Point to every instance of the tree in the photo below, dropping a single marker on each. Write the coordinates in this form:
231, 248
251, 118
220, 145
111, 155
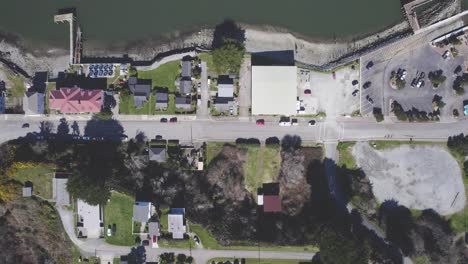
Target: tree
63, 128
378, 114
228, 57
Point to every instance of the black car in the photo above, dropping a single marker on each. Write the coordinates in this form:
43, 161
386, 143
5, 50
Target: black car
25, 125
369, 64
145, 243
355, 92
163, 120
354, 82
366, 85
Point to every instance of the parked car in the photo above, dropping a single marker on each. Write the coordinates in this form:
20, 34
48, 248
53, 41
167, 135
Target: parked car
260, 122
109, 230
355, 82
312, 123
369, 64
307, 91
369, 99
154, 238
158, 137
173, 120
355, 92
145, 243
366, 85
294, 122
163, 120
25, 125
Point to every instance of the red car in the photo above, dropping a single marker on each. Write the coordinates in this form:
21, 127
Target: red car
260, 122
173, 120
307, 91
154, 239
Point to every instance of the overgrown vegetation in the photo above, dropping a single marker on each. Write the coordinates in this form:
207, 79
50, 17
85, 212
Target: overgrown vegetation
459, 84
163, 76
414, 114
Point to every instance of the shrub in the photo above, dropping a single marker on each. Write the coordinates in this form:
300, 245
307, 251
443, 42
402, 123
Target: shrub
437, 78
378, 114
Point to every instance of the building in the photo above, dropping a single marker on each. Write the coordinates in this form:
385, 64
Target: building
157, 154
59, 189
27, 189
34, 103
274, 90
142, 212
176, 223
162, 99
183, 103
268, 197
185, 86
141, 90
186, 68
90, 222
223, 104
153, 231
225, 86
75, 100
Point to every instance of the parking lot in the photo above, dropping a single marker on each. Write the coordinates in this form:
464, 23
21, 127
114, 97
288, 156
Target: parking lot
327, 92
418, 62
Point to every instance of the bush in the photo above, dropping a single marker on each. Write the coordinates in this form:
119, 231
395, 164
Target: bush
378, 114
227, 59
437, 78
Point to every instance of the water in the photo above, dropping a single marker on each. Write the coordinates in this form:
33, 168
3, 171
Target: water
111, 21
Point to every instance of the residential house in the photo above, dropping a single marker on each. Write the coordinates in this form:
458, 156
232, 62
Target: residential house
176, 223
185, 86
224, 104
162, 100
59, 189
142, 212
268, 197
90, 223
225, 86
185, 82
141, 90
34, 103
157, 154
183, 103
75, 100
186, 67
153, 231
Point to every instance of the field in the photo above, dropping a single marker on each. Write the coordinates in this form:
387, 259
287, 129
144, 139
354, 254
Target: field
163, 76
126, 106
119, 211
262, 261
40, 175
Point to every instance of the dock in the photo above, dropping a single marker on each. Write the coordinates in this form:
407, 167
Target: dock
75, 36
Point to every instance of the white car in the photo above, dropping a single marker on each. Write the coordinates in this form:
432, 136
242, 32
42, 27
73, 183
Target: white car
285, 123
109, 231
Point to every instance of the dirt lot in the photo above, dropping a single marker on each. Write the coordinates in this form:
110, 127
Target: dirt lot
419, 177
330, 95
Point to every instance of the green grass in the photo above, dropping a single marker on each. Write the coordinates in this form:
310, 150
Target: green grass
269, 160
346, 158
163, 219
115, 78
50, 87
119, 210
250, 167
212, 150
116, 261
40, 175
176, 243
126, 106
386, 144
209, 60
18, 89
170, 105
163, 76
208, 241
263, 261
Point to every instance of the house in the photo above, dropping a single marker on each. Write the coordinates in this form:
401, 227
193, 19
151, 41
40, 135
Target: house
274, 90
225, 86
186, 67
34, 103
176, 223
142, 212
90, 222
223, 104
268, 197
153, 231
183, 103
75, 100
27, 189
162, 100
59, 189
157, 154
185, 85
141, 90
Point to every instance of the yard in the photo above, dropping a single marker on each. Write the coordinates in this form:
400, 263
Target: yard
119, 211
346, 158
39, 174
212, 150
126, 106
262, 261
17, 89
50, 86
163, 76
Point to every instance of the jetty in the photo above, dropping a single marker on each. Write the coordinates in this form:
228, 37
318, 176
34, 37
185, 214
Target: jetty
75, 36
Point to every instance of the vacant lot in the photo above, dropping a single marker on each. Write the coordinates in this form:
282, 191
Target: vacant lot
119, 211
163, 76
417, 176
39, 174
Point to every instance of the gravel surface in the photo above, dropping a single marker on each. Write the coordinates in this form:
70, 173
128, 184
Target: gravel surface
418, 177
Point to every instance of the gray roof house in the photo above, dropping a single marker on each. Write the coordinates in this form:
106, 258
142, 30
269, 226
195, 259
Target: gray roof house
162, 100
183, 103
186, 68
225, 86
176, 223
27, 191
223, 104
185, 85
157, 154
142, 212
141, 90
34, 103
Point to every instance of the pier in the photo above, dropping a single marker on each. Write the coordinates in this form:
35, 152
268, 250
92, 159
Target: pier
75, 36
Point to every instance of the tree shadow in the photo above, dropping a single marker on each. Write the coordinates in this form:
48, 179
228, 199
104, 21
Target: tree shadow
46, 128
63, 128
108, 128
75, 128
227, 30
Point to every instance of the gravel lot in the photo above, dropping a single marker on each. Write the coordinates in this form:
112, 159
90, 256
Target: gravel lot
417, 176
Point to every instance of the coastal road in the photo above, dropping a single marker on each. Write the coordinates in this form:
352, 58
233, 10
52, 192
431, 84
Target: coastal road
230, 130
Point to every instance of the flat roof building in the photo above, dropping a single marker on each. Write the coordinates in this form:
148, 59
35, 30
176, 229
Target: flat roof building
176, 223
274, 90
89, 220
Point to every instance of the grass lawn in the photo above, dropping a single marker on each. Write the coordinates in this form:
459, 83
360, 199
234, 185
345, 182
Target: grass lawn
252, 182
170, 105
18, 89
40, 175
112, 80
212, 150
346, 158
263, 261
50, 87
209, 60
119, 211
163, 76
385, 144
263, 165
126, 106
459, 221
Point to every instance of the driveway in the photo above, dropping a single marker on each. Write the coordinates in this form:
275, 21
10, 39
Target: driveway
202, 109
245, 88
